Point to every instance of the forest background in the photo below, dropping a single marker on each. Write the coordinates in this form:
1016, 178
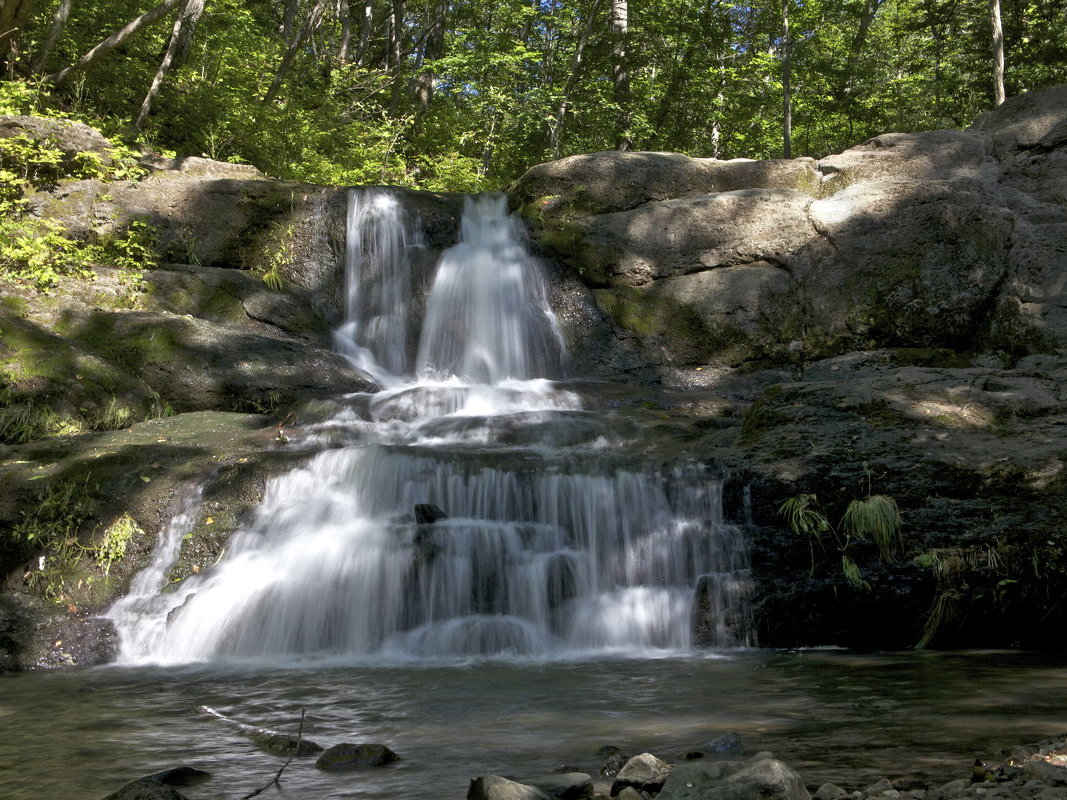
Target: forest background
466, 94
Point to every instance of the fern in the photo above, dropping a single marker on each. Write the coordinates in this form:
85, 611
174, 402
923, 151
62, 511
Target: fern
876, 519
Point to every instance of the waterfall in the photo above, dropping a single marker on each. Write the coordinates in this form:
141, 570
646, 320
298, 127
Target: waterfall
379, 238
477, 509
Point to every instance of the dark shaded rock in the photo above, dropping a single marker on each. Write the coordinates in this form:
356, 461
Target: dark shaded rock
35, 634
727, 744
615, 762
575, 785
494, 787
644, 772
352, 756
180, 776
146, 789
761, 776
428, 513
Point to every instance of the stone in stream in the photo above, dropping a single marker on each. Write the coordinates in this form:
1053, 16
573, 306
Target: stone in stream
494, 787
282, 744
727, 745
573, 785
644, 771
179, 776
762, 776
351, 756
146, 789
428, 513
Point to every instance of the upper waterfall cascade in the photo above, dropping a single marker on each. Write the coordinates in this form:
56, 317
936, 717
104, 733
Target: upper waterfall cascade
557, 541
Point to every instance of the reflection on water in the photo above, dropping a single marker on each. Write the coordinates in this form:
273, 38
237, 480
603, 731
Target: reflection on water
850, 718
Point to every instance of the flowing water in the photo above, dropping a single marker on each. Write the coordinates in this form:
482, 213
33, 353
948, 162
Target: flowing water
471, 507
832, 716
489, 569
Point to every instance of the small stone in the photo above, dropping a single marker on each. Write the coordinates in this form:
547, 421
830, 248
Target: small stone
494, 787
643, 771
878, 788
829, 791
575, 785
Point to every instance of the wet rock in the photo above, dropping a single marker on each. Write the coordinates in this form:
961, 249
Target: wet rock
574, 785
494, 787
615, 762
729, 744
428, 513
829, 791
1041, 770
644, 772
351, 756
180, 776
146, 789
282, 744
761, 776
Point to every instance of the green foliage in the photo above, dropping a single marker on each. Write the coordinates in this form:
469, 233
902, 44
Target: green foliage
51, 526
117, 536
515, 83
26, 421
875, 519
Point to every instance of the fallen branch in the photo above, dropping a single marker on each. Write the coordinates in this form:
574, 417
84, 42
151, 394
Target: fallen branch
277, 778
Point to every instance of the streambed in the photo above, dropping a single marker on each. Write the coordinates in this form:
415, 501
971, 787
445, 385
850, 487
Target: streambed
831, 715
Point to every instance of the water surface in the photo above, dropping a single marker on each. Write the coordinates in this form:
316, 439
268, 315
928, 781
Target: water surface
831, 715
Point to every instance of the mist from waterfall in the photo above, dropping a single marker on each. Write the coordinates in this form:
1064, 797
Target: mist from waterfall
560, 538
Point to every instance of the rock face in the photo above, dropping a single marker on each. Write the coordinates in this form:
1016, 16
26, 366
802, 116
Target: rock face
897, 316
937, 239
200, 333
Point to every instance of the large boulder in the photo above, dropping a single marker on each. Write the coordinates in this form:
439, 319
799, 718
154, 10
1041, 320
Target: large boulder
936, 239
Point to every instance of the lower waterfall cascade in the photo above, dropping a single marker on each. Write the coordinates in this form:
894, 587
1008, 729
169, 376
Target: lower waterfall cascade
474, 506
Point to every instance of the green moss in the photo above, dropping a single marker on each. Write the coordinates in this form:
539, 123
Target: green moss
929, 357
764, 414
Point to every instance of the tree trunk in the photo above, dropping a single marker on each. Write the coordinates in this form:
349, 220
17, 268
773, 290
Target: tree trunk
366, 28
181, 37
58, 23
305, 30
114, 40
620, 29
344, 13
13, 15
998, 53
435, 40
787, 98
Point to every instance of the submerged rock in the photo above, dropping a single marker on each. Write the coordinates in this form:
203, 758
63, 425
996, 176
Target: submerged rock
180, 776
347, 756
146, 789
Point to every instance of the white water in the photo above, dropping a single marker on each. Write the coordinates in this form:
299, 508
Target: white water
557, 542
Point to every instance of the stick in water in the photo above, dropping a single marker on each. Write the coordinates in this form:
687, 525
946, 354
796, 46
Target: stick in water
277, 778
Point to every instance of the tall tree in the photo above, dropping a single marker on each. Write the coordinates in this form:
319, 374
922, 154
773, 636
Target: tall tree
104, 47
998, 52
787, 92
620, 29
181, 38
14, 14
